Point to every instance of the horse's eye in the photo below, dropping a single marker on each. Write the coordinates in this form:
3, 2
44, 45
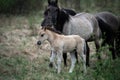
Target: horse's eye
42, 35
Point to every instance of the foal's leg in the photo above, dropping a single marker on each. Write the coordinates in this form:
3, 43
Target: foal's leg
73, 61
52, 58
83, 58
59, 59
81, 49
65, 57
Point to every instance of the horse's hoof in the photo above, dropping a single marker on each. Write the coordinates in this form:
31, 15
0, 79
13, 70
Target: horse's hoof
51, 65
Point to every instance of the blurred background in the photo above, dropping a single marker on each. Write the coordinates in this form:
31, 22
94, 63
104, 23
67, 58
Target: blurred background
22, 59
27, 6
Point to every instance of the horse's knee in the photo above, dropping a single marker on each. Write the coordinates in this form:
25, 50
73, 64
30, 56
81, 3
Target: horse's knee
65, 59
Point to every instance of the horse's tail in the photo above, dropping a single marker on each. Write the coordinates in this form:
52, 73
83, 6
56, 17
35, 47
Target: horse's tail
118, 40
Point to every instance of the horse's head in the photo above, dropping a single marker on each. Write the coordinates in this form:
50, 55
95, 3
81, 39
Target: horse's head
42, 36
51, 14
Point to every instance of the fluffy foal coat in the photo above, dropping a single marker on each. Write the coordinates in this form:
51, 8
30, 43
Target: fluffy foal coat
62, 44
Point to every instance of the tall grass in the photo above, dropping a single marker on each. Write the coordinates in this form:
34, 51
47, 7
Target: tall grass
18, 67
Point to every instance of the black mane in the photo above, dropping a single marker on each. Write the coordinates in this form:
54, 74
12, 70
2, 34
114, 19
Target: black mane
62, 18
69, 11
53, 30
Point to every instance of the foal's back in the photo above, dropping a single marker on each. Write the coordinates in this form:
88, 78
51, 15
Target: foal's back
70, 42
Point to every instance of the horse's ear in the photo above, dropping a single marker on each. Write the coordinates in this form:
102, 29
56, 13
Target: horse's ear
49, 1
56, 1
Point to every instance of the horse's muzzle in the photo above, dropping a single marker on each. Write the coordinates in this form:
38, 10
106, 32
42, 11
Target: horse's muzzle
39, 43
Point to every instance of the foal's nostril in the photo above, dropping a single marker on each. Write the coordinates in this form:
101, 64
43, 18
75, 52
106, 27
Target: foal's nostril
38, 43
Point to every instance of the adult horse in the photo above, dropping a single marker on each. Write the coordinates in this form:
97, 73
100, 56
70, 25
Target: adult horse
83, 24
70, 12
110, 25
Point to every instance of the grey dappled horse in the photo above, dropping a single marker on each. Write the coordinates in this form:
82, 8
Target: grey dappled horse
83, 24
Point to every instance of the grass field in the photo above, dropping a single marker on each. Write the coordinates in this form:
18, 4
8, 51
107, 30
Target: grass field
22, 59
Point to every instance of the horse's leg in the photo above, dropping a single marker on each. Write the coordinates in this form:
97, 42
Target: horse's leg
65, 59
76, 55
110, 39
87, 54
73, 61
52, 57
111, 48
97, 44
118, 43
59, 59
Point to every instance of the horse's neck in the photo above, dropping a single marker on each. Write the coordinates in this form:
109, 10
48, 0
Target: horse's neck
62, 19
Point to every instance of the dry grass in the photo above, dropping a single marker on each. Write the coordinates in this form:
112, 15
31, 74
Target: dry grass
22, 59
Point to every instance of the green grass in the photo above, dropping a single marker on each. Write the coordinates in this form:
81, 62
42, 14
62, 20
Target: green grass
19, 67
15, 64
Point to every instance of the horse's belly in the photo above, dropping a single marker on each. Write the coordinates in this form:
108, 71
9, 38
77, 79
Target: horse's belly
82, 28
84, 32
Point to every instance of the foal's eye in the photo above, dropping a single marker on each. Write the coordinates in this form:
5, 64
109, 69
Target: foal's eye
42, 35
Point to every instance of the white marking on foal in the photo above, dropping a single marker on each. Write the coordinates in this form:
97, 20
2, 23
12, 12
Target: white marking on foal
73, 61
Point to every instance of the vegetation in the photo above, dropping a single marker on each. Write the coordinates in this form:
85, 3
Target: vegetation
22, 59
28, 6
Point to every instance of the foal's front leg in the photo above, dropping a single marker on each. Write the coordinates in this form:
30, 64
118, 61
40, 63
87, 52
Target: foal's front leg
52, 59
59, 59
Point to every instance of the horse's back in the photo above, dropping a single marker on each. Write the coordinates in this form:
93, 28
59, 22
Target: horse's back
109, 19
83, 24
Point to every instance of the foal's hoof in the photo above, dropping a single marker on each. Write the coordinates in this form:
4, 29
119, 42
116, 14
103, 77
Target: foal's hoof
51, 65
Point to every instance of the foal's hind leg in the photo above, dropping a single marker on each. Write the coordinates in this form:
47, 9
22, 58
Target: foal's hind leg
76, 55
83, 59
73, 61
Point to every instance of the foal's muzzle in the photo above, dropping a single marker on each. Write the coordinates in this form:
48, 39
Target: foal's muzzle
39, 43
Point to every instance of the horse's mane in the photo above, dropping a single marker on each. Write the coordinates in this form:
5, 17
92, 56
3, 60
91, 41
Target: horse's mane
52, 29
69, 11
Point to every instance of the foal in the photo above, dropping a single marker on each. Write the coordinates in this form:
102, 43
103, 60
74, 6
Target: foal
62, 44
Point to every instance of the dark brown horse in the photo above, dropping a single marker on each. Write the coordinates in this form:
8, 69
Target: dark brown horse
110, 27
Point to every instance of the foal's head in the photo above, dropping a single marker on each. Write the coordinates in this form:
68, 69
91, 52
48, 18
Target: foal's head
42, 36
46, 33
50, 14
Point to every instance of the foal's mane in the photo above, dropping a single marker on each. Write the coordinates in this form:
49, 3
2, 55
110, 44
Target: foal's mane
52, 29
